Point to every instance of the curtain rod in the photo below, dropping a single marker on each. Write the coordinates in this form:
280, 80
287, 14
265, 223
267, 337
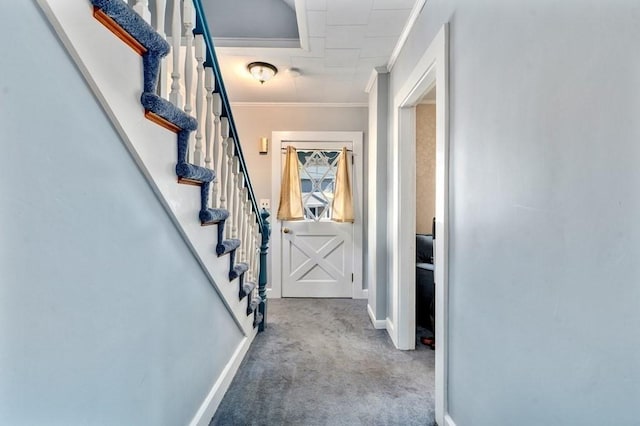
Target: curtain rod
303, 149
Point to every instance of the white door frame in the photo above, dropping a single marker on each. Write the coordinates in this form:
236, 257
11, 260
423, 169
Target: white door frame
277, 138
431, 70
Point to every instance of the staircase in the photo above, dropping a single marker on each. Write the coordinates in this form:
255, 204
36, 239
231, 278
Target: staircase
205, 187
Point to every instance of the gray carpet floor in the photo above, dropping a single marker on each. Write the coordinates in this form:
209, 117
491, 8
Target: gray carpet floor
321, 362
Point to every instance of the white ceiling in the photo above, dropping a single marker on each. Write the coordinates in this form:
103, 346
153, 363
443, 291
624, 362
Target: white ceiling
347, 39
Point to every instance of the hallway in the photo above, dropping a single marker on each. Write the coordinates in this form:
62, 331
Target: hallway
321, 362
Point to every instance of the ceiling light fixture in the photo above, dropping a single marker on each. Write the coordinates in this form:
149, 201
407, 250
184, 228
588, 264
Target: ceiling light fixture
262, 71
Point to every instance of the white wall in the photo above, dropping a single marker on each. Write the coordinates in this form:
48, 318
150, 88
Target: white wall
105, 315
544, 208
376, 259
254, 122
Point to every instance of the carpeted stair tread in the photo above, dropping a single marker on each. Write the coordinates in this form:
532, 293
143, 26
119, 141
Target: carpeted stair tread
253, 304
227, 246
211, 216
237, 270
165, 109
246, 288
194, 173
258, 319
133, 24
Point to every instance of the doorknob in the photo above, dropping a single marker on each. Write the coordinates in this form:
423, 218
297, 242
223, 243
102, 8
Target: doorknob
286, 230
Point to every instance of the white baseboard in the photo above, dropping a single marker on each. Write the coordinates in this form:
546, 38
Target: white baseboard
362, 294
448, 421
391, 330
213, 399
377, 324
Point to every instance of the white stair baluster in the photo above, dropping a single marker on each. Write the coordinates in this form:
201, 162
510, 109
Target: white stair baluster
250, 230
243, 222
142, 8
243, 244
161, 6
187, 22
245, 227
236, 210
176, 39
246, 219
208, 121
224, 124
250, 241
254, 266
217, 111
229, 188
254, 250
247, 237
200, 55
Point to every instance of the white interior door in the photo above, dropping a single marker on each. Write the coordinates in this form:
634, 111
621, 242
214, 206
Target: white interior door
318, 257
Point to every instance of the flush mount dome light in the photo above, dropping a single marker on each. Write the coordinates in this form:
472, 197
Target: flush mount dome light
262, 71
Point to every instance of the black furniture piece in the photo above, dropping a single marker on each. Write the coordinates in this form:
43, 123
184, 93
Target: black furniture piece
425, 288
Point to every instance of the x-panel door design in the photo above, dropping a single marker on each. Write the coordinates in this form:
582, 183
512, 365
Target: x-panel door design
317, 254
317, 259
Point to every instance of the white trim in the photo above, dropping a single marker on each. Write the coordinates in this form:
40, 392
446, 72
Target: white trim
300, 43
214, 397
276, 234
448, 421
373, 77
301, 19
257, 42
302, 104
377, 324
362, 293
404, 35
431, 69
390, 329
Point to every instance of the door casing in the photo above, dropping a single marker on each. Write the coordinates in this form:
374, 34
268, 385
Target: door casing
432, 69
280, 139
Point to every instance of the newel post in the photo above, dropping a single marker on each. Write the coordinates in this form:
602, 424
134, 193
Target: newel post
262, 280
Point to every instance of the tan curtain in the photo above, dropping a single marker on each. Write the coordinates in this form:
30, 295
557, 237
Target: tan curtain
342, 208
290, 207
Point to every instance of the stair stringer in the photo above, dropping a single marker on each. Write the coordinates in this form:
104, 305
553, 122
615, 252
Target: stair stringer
113, 71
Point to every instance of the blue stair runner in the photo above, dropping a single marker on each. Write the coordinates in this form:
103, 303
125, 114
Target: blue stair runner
253, 304
246, 288
157, 48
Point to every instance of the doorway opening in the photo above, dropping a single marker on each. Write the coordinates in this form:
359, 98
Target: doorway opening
430, 71
425, 218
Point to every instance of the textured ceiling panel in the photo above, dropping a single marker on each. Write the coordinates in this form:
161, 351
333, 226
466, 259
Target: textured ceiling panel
340, 12
347, 39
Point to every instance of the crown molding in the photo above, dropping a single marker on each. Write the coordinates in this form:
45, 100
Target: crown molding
413, 17
302, 104
254, 42
301, 18
374, 75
